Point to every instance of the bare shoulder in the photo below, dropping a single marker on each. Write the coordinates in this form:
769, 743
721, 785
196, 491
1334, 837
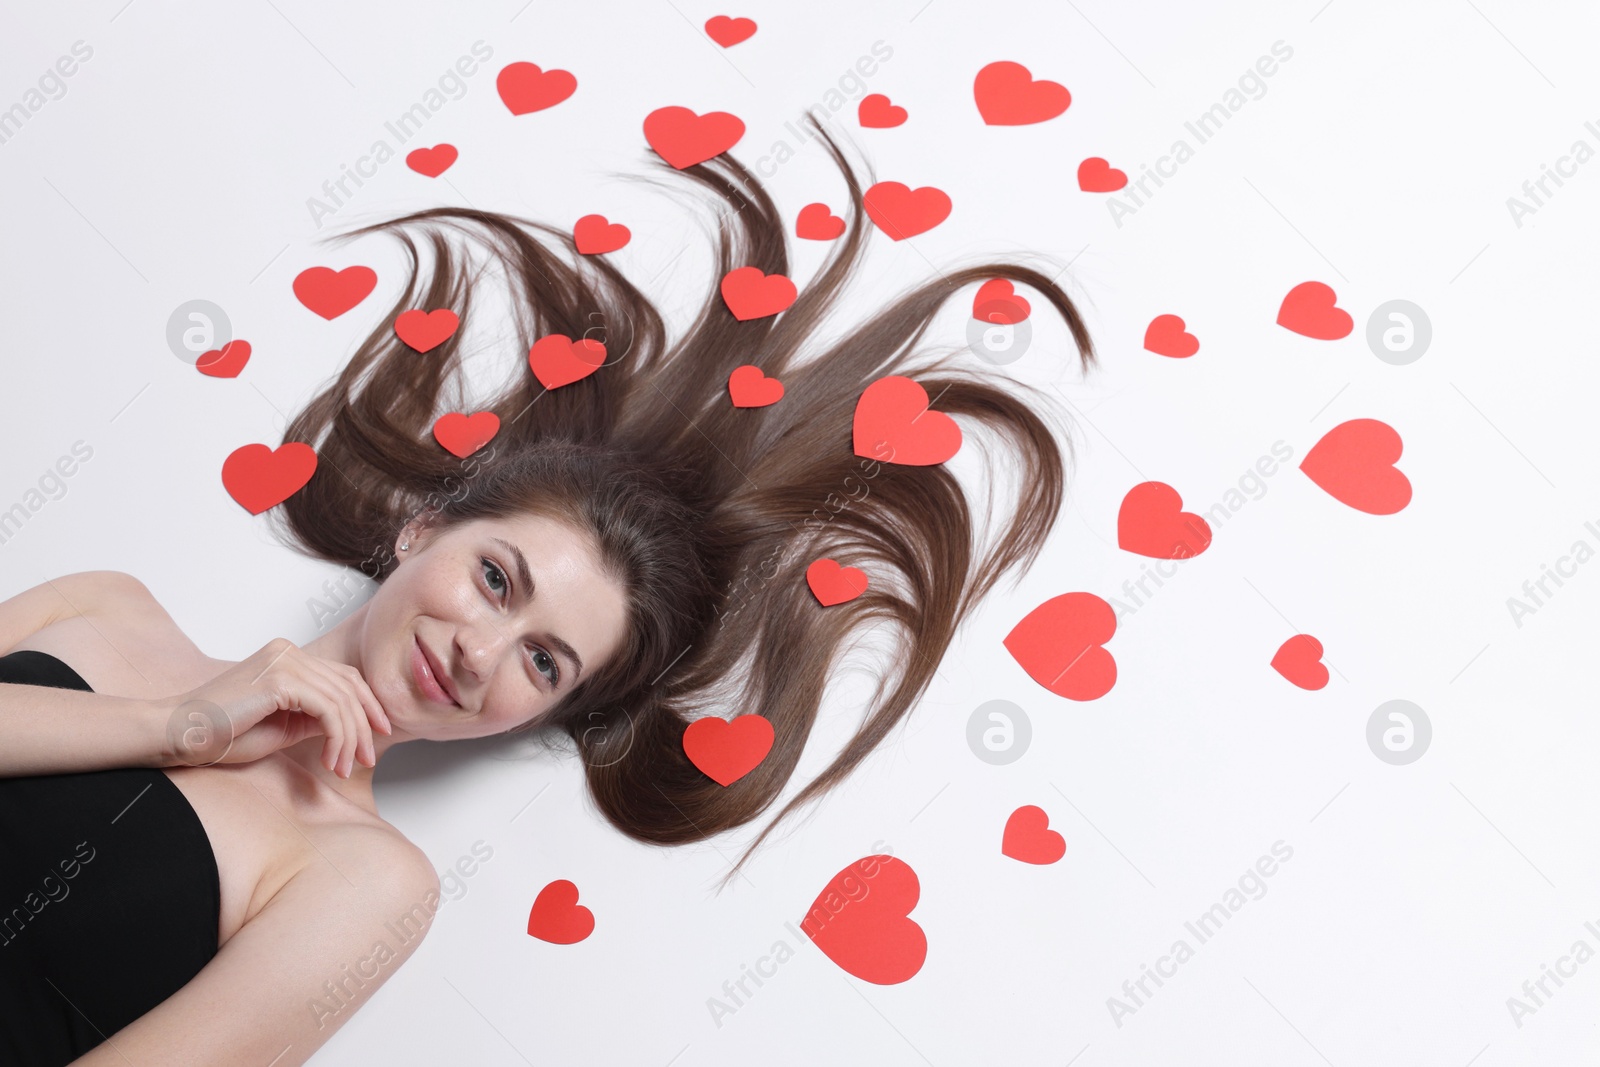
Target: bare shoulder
381, 856
71, 596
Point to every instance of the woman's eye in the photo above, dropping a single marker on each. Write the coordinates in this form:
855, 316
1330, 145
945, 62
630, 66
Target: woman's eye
490, 569
554, 674
496, 580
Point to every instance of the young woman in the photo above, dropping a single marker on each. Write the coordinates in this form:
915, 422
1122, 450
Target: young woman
196, 871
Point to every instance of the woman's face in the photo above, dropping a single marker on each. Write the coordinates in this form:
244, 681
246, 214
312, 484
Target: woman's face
505, 638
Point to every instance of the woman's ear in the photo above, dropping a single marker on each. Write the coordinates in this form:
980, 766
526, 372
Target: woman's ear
413, 535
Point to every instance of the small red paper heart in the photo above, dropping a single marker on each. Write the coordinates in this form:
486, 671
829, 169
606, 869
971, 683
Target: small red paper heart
862, 921
523, 87
1059, 643
1299, 660
557, 917
893, 424
902, 212
729, 31
832, 584
1165, 336
997, 301
727, 751
426, 330
331, 293
557, 360
1152, 522
749, 388
817, 223
259, 477
1310, 310
751, 294
683, 138
1095, 175
1354, 464
876, 112
594, 237
462, 434
1007, 95
1028, 837
432, 162
224, 362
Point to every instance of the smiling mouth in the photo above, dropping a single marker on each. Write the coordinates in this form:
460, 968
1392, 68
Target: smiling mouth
427, 680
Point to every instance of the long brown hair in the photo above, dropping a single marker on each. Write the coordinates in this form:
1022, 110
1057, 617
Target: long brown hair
707, 514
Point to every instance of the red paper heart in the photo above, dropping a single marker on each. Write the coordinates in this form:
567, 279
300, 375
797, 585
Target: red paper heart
894, 424
432, 162
557, 360
1310, 310
1152, 522
817, 223
224, 362
902, 212
259, 477
1007, 95
832, 584
331, 293
1059, 644
462, 434
1354, 464
594, 237
683, 138
729, 31
727, 751
557, 917
1165, 336
749, 388
876, 112
1299, 660
751, 294
1095, 175
862, 921
1028, 837
426, 330
523, 87
997, 301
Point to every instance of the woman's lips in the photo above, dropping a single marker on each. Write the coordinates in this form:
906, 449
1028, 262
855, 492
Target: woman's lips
423, 675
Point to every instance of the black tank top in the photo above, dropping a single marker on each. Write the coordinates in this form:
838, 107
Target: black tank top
109, 897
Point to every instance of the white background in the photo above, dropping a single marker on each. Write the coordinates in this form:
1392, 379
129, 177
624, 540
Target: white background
1379, 161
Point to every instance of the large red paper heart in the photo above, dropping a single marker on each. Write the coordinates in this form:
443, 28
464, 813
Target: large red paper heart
1152, 522
259, 477
683, 138
523, 87
1028, 837
1095, 175
331, 293
749, 388
1059, 643
817, 223
1310, 310
832, 584
893, 424
876, 112
727, 751
729, 31
1354, 464
557, 917
1299, 660
557, 360
862, 921
1008, 95
426, 330
594, 236
224, 362
462, 434
1166, 336
997, 301
750, 294
432, 162
901, 212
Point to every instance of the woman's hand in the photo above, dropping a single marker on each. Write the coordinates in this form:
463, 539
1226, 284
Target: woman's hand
277, 697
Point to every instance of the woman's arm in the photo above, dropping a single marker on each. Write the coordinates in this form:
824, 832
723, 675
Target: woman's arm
296, 972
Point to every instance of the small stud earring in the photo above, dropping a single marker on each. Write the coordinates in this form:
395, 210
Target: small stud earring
405, 546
